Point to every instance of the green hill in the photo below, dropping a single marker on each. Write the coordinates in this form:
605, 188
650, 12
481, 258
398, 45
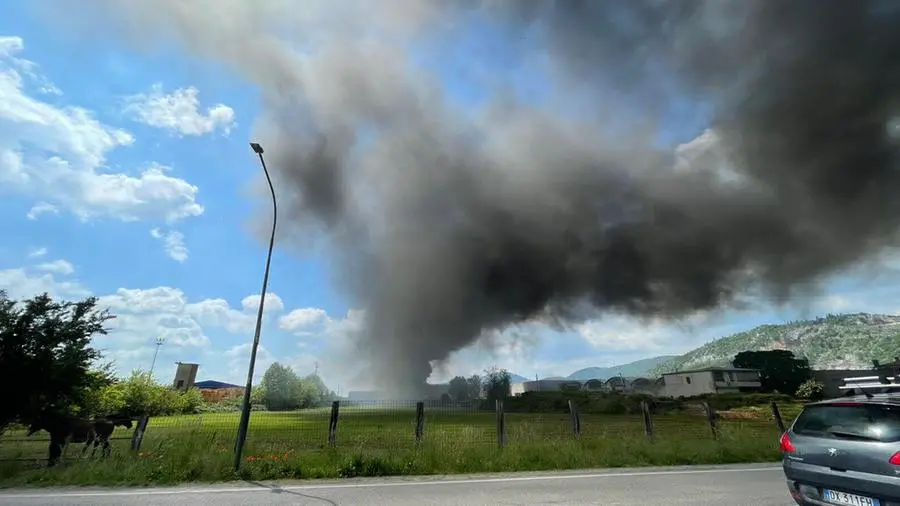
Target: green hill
844, 341
631, 369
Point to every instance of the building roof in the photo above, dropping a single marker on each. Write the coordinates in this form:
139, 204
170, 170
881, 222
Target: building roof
713, 369
214, 385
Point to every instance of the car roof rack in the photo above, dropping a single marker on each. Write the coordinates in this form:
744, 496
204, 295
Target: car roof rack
871, 385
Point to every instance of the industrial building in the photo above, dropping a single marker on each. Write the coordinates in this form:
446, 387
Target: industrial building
185, 376
710, 380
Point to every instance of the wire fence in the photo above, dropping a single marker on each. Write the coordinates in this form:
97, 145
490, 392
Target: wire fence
393, 425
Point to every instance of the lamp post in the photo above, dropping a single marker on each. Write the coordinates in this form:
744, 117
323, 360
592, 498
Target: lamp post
245, 408
159, 342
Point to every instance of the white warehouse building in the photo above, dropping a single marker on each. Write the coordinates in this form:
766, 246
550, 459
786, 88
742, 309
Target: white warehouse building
547, 385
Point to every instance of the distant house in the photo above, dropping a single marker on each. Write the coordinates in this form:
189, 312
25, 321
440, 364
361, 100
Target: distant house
214, 385
217, 391
545, 385
710, 380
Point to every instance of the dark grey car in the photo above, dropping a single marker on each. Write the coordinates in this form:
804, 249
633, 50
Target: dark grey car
845, 451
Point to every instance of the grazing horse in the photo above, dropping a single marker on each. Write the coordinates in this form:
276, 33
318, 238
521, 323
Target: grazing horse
66, 429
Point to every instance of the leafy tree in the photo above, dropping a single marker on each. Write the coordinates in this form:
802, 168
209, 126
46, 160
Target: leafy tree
140, 395
96, 399
475, 386
110, 399
458, 389
313, 392
189, 401
257, 394
496, 384
282, 388
46, 353
779, 370
811, 390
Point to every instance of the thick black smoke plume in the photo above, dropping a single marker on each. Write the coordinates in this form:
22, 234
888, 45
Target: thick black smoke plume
446, 224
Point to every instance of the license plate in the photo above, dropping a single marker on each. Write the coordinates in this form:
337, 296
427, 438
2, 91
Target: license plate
836, 497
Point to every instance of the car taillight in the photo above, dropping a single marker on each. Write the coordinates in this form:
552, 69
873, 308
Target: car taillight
895, 459
786, 445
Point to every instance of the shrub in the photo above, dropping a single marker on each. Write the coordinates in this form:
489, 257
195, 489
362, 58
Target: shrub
141, 395
811, 390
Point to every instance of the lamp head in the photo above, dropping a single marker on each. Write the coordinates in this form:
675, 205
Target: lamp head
256, 148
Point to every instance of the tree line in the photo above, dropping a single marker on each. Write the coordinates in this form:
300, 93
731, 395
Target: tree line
281, 389
47, 354
495, 384
49, 359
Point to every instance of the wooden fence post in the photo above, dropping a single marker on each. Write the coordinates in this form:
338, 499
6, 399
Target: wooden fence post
420, 420
648, 419
333, 421
138, 436
501, 423
776, 413
576, 419
713, 419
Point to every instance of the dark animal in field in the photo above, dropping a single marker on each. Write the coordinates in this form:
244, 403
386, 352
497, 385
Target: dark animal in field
67, 429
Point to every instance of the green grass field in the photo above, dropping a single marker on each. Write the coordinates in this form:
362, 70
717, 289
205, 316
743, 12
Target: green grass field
377, 442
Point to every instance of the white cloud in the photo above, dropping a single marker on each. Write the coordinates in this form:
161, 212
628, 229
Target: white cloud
57, 267
9, 47
177, 318
300, 320
238, 360
37, 252
191, 329
179, 111
41, 208
250, 303
21, 285
58, 155
173, 244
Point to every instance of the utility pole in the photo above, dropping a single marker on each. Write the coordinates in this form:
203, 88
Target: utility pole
245, 407
159, 342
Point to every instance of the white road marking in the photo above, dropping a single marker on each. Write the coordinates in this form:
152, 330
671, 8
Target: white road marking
426, 482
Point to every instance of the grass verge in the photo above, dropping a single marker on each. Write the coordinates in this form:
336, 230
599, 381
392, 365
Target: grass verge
292, 446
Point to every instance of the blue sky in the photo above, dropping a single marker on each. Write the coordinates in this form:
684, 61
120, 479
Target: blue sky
128, 176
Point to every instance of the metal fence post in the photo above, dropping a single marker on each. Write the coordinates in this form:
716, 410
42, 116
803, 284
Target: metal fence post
501, 423
713, 419
776, 413
648, 419
137, 437
420, 420
333, 421
576, 419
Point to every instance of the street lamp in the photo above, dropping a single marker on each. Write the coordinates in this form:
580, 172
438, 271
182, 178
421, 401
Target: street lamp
159, 342
245, 408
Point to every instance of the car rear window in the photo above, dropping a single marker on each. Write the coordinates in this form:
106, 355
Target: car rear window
874, 422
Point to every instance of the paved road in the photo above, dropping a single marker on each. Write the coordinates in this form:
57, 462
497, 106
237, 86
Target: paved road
743, 485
